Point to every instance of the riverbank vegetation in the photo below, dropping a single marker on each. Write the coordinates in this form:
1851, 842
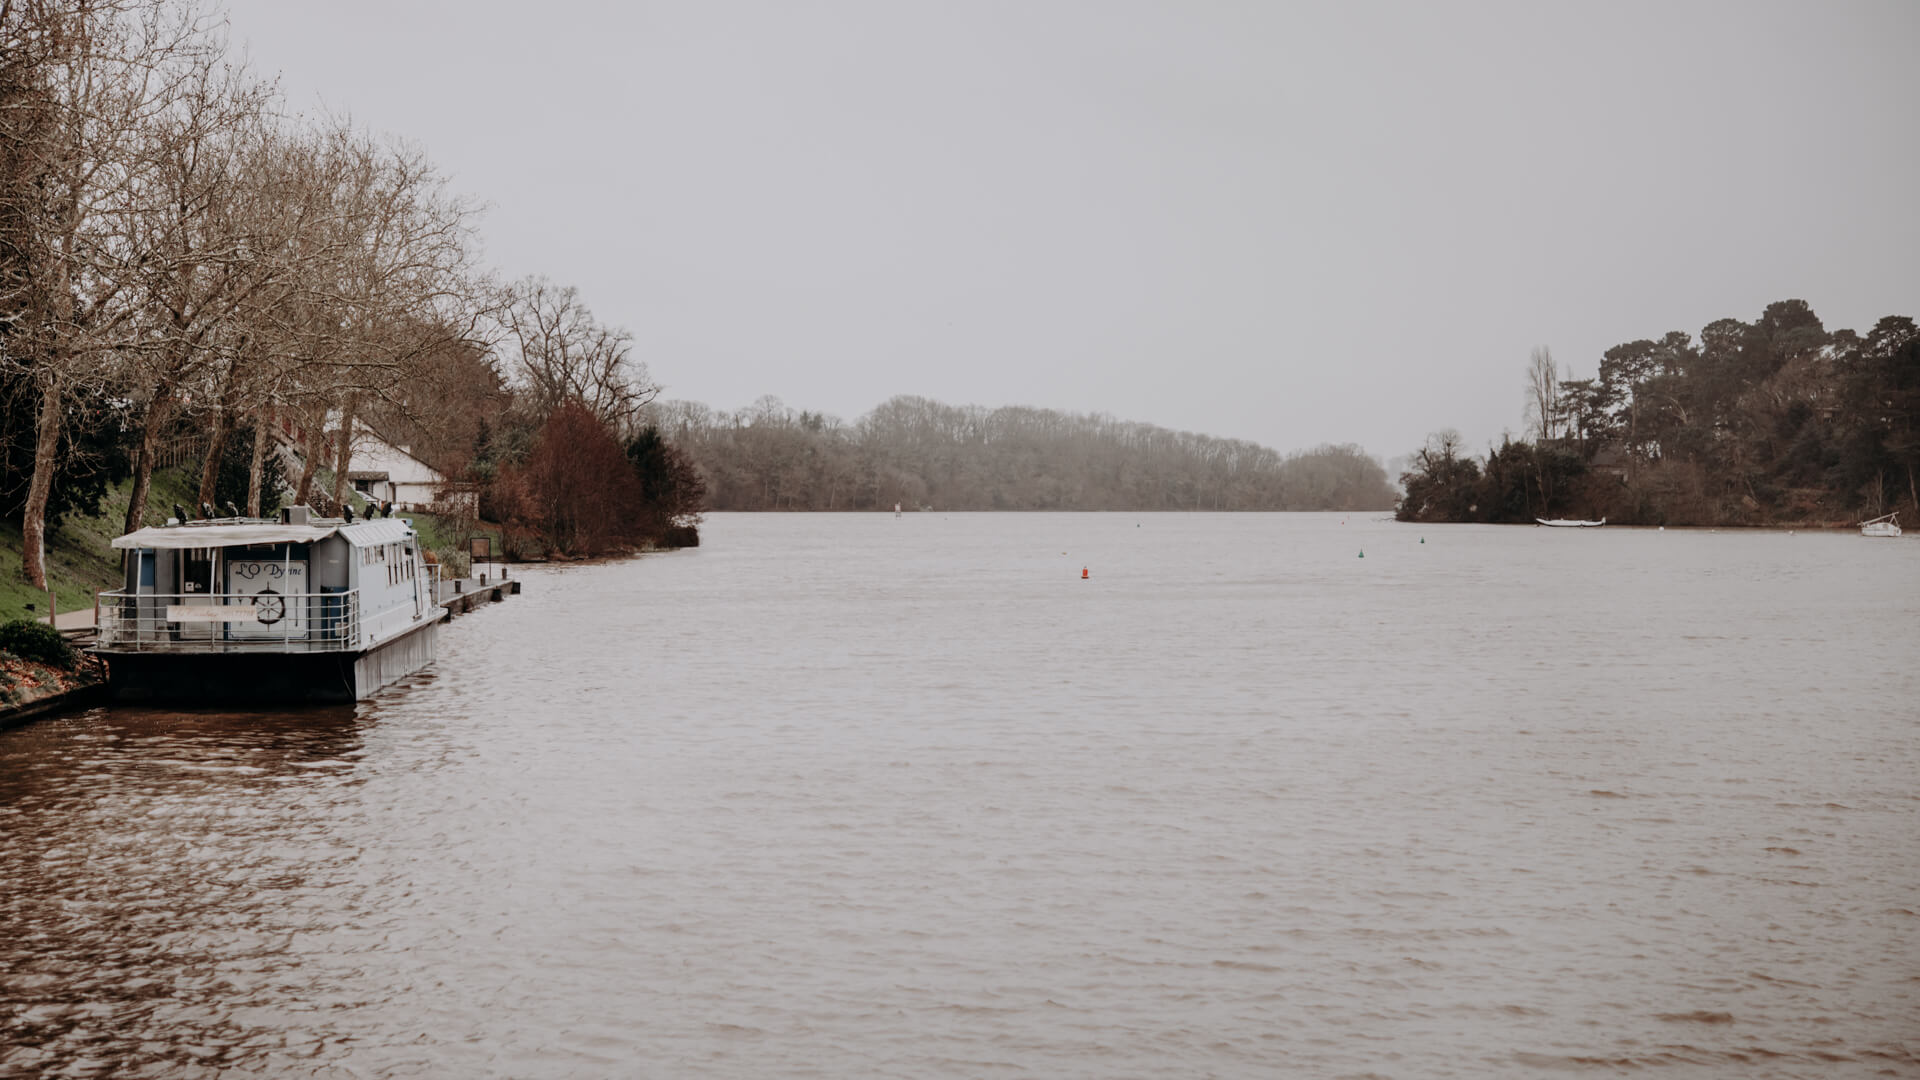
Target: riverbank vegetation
915, 452
36, 664
192, 277
1774, 421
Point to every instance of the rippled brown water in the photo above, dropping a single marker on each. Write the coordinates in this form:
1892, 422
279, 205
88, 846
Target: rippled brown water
856, 796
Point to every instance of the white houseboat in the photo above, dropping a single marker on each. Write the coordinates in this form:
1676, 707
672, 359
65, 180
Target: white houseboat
299, 609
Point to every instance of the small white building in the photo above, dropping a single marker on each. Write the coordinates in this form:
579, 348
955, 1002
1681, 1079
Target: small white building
380, 470
384, 472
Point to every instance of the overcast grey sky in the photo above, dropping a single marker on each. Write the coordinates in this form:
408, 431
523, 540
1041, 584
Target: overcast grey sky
1295, 224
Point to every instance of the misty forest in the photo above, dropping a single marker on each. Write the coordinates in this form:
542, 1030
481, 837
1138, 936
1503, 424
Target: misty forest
1778, 420
915, 452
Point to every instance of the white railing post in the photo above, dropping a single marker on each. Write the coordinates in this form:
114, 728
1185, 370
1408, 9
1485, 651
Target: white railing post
131, 619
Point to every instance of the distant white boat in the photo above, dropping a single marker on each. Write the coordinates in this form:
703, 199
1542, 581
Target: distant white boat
1881, 526
1569, 523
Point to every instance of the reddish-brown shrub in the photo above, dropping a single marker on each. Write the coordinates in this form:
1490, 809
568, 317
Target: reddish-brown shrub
577, 487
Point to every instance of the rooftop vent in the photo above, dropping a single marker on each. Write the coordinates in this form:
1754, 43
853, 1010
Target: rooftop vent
295, 515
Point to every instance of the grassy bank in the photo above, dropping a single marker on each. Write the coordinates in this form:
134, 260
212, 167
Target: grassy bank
447, 538
80, 556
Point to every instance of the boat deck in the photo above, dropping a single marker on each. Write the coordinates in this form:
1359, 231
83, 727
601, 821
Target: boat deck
456, 596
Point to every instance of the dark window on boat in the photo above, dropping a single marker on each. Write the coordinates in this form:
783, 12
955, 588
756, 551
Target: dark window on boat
196, 571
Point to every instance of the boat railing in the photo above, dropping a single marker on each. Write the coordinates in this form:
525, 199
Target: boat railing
141, 621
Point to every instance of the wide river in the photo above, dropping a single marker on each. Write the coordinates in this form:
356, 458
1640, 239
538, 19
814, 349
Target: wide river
851, 795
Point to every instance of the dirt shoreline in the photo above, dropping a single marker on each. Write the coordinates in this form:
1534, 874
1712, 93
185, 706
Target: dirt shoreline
30, 691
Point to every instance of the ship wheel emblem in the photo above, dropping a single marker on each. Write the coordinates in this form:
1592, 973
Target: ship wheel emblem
269, 607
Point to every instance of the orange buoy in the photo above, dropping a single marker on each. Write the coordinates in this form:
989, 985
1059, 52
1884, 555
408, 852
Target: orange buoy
1083, 573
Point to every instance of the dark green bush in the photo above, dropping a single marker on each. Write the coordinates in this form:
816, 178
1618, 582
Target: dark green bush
36, 641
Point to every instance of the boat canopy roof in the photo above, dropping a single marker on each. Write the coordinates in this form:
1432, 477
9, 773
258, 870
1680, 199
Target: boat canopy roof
245, 533
376, 531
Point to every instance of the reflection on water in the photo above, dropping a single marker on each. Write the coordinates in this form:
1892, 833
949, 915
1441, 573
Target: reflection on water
156, 867
855, 796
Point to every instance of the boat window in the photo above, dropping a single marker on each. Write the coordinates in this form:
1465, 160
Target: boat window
196, 571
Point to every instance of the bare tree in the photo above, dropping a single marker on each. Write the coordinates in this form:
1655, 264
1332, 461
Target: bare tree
202, 256
82, 82
558, 353
1543, 394
383, 284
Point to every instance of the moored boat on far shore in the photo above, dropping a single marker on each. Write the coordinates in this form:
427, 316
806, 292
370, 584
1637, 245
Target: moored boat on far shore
1884, 525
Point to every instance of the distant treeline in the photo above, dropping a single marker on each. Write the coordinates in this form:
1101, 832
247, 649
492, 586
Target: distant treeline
1776, 420
917, 452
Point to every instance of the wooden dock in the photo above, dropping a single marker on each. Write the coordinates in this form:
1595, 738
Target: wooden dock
458, 596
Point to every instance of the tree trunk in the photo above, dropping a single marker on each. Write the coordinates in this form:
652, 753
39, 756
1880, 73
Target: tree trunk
1633, 437
256, 473
33, 519
158, 410
309, 461
343, 453
216, 449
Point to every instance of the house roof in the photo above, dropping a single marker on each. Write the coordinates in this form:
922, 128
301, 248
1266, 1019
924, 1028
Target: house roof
364, 434
376, 531
369, 431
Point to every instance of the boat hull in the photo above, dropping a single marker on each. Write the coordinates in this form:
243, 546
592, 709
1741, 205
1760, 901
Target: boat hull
269, 677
